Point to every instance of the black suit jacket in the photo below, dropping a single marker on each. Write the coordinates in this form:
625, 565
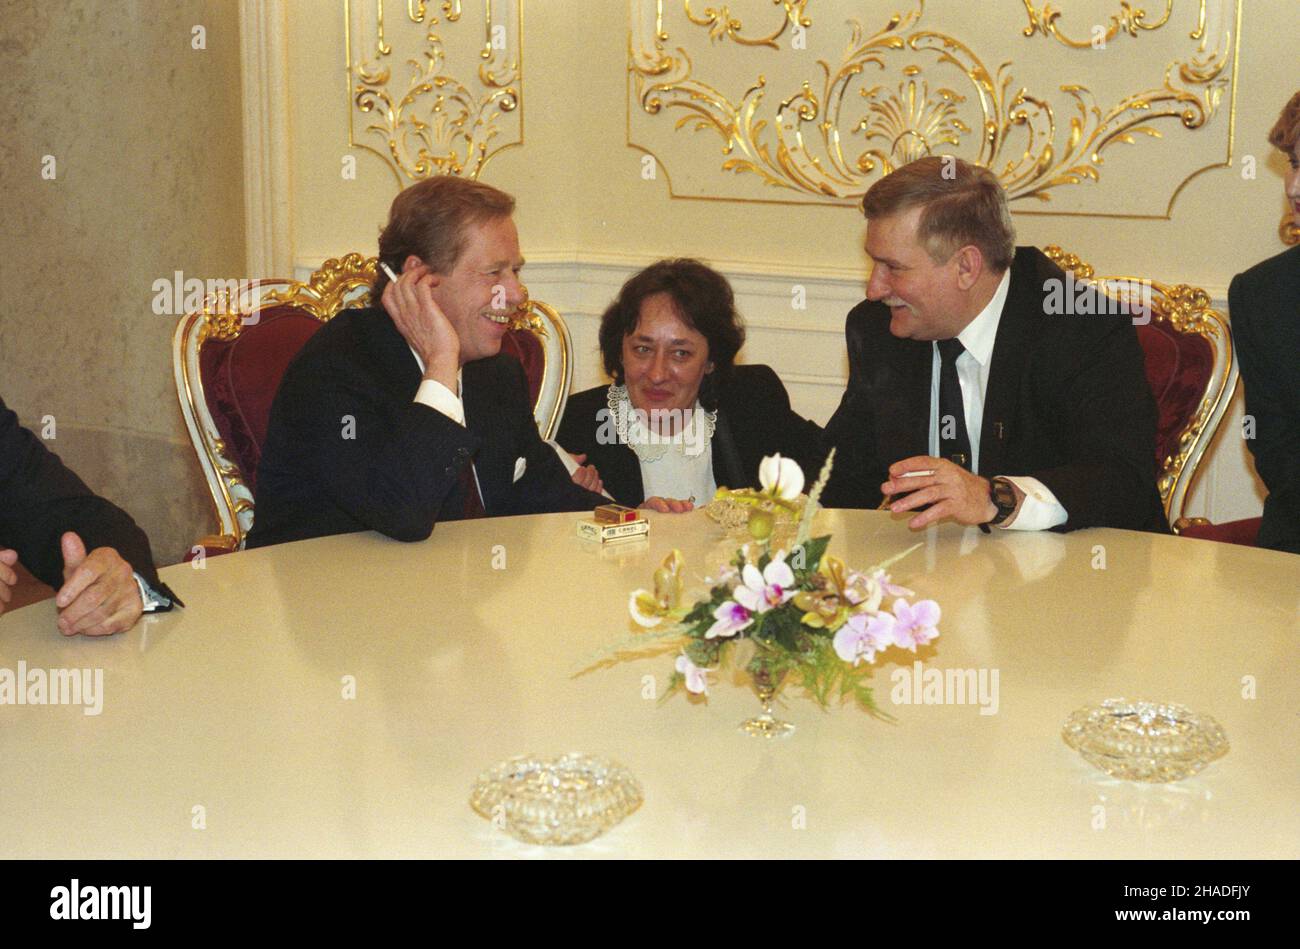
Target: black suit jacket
754, 420
1067, 403
1264, 303
40, 498
348, 449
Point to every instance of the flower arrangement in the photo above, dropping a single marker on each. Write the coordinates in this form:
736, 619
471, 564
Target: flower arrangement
808, 615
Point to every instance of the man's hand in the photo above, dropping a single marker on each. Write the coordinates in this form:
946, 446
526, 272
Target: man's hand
667, 505
426, 329
99, 595
951, 491
8, 577
587, 476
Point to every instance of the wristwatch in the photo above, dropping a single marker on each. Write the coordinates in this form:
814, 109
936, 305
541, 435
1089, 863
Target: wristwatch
1003, 495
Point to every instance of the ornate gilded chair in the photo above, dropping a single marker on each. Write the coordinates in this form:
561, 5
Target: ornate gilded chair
1187, 346
229, 357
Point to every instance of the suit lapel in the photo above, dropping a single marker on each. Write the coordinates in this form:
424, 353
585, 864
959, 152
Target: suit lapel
727, 467
905, 402
1006, 370
392, 353
479, 398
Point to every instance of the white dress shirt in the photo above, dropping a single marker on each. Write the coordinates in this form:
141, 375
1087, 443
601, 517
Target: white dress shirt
681, 472
1040, 509
437, 396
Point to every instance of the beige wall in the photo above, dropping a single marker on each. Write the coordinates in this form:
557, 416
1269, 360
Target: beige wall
145, 131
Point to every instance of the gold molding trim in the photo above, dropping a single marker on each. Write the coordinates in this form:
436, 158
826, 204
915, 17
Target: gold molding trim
722, 24
434, 123
330, 288
799, 145
1186, 309
1127, 20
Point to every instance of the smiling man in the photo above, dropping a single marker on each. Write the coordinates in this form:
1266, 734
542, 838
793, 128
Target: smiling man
394, 417
969, 396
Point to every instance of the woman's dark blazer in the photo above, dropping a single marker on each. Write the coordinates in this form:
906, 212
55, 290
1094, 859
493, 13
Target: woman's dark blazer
754, 420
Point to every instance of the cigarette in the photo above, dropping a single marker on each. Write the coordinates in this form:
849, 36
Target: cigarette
388, 270
917, 474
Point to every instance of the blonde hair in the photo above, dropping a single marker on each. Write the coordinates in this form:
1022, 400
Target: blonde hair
964, 204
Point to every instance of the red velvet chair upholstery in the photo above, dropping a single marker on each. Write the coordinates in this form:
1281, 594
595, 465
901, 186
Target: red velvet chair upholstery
1187, 347
229, 358
1244, 532
241, 374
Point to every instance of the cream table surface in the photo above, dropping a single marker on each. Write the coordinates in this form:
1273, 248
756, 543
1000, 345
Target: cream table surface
236, 704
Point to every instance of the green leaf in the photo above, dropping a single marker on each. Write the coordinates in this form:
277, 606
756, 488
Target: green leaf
675, 682
703, 652
782, 625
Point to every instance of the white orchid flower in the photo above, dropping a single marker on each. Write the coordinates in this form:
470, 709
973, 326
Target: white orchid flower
760, 592
780, 477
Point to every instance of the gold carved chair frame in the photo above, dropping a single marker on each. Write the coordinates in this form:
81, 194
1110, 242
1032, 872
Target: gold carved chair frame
1185, 309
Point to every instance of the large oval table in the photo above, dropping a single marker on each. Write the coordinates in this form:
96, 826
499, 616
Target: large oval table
227, 728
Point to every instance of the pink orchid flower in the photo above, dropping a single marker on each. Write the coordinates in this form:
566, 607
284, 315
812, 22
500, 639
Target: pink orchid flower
696, 682
731, 618
863, 635
916, 624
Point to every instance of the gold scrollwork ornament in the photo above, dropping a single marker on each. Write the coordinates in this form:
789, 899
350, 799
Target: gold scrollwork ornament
722, 24
803, 143
1128, 20
437, 124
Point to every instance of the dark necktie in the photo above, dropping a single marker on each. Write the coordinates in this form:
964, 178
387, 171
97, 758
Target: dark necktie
952, 411
473, 502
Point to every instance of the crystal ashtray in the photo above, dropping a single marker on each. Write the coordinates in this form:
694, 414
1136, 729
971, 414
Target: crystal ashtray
1145, 741
556, 801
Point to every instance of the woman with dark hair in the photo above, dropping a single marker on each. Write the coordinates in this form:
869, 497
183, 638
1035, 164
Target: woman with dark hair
681, 419
1264, 305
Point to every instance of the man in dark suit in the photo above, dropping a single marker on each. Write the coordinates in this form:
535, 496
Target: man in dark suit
49, 519
1264, 303
392, 418
981, 388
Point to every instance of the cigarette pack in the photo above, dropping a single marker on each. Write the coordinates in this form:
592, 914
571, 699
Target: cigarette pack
615, 514
594, 530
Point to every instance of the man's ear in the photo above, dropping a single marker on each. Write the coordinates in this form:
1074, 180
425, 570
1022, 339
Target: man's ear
411, 262
970, 266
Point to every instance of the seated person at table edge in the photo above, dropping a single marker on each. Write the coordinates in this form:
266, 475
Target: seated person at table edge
1264, 304
681, 419
49, 519
964, 371
392, 418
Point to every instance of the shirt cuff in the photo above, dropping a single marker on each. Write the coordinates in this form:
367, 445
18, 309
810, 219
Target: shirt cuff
437, 396
1039, 511
151, 599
